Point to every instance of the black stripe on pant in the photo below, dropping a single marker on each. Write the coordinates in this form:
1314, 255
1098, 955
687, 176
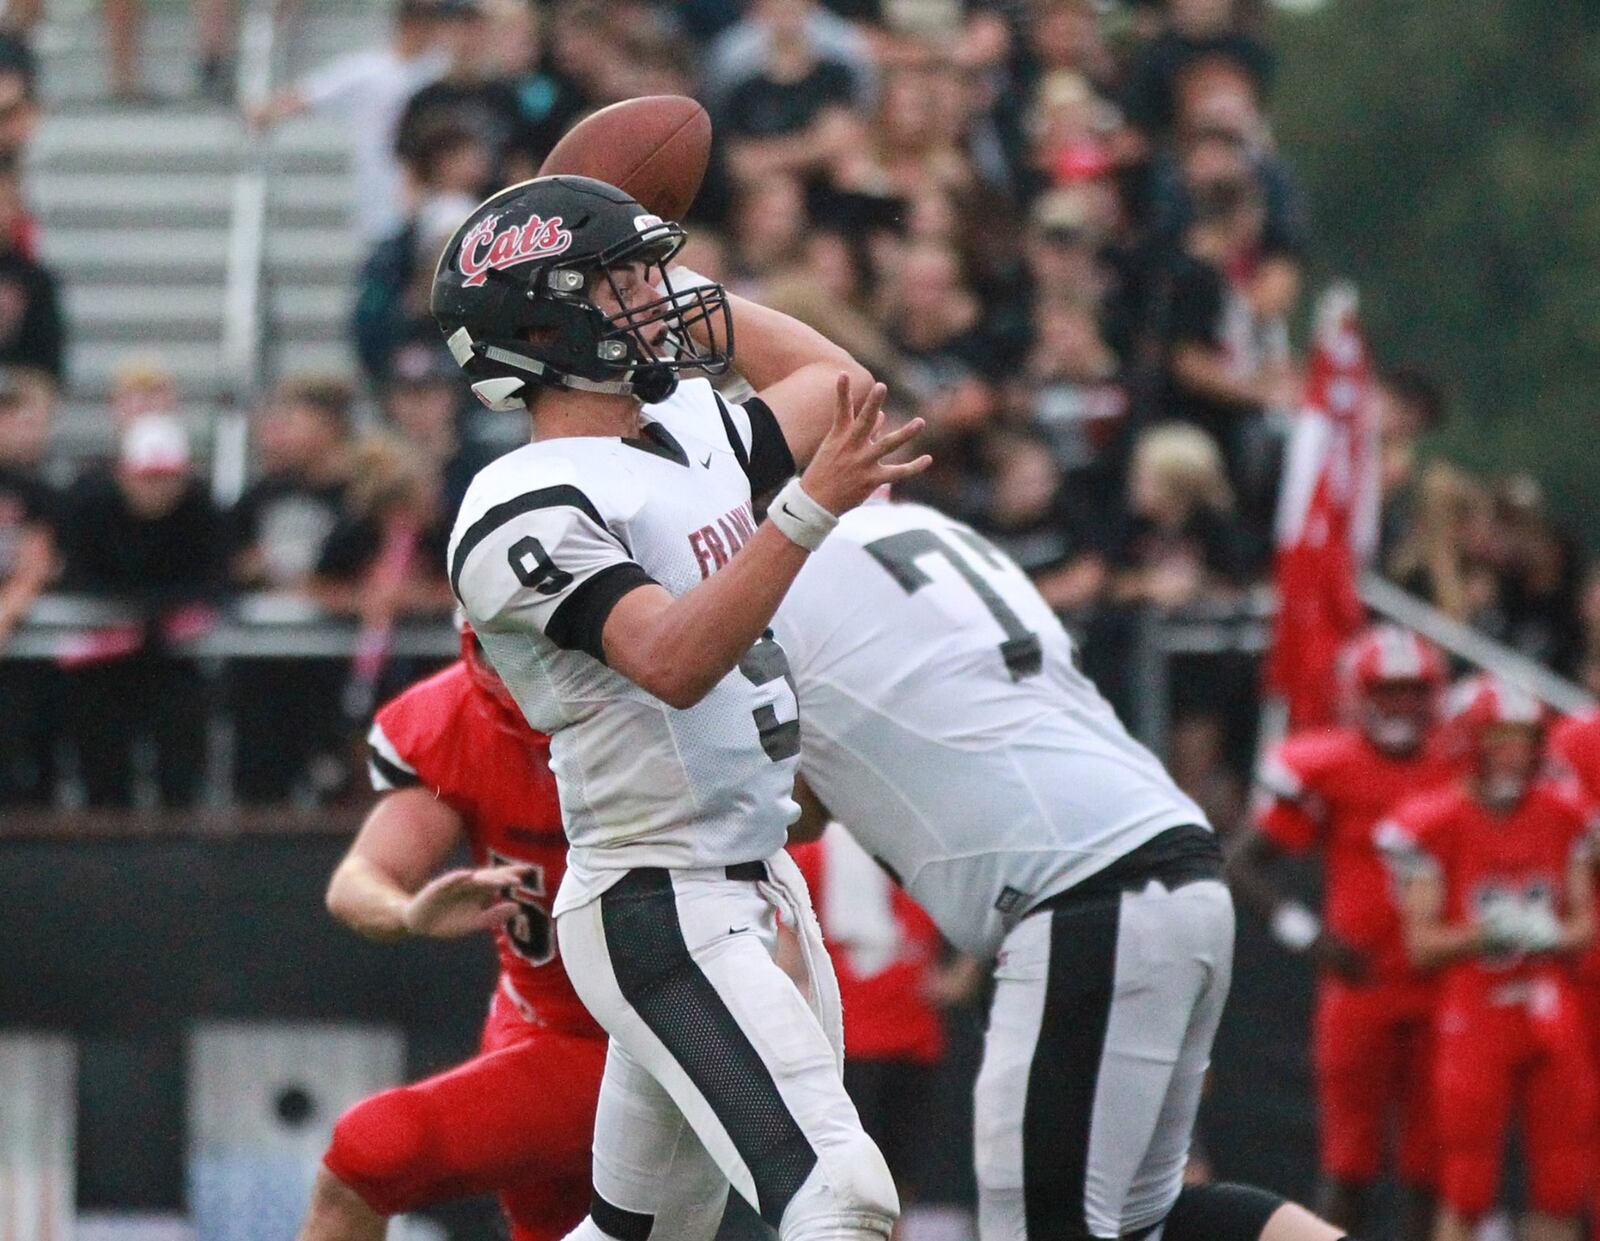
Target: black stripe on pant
662, 983
1065, 1071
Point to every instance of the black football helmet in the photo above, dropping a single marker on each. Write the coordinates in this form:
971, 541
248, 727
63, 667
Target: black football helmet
513, 294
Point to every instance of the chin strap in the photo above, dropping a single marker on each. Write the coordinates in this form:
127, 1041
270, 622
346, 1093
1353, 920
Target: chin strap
650, 383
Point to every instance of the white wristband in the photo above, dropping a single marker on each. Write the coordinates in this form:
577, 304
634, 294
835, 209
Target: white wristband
800, 518
1294, 926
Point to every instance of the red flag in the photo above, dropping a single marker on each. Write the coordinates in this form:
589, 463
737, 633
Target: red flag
1327, 516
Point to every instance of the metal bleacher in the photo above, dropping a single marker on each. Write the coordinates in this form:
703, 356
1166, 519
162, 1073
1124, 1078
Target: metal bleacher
139, 206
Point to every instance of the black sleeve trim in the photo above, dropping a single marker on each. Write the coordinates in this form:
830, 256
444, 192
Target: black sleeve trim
398, 777
771, 462
580, 620
509, 510
732, 432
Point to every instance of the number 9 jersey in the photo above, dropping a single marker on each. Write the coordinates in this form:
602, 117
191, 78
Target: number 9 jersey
548, 539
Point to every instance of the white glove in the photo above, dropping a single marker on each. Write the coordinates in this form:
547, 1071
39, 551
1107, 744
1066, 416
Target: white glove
1541, 929
1501, 922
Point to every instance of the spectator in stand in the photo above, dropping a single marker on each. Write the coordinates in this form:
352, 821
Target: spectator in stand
1228, 366
146, 538
28, 512
1070, 127
789, 112
1200, 36
1181, 540
1539, 578
1445, 556
449, 165
423, 404
1589, 663
886, 953
549, 100
1072, 391
1223, 136
370, 89
934, 318
742, 49
385, 561
124, 27
142, 384
769, 231
1409, 403
489, 44
286, 710
32, 331
1182, 543
1067, 257
916, 142
19, 99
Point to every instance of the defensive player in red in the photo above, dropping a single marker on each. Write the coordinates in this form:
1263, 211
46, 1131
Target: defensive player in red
1575, 746
456, 763
1497, 893
1325, 790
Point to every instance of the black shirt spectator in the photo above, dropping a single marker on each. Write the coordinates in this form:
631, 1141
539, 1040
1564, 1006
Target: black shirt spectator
1154, 80
764, 107
1196, 312
492, 110
152, 560
146, 537
278, 528
32, 333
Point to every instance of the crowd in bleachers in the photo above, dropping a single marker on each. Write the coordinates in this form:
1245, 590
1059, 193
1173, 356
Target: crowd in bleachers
1059, 229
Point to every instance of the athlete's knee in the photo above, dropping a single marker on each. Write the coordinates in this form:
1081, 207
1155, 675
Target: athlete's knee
850, 1194
1221, 1211
381, 1149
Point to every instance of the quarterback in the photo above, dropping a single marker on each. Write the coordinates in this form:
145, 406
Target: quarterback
621, 586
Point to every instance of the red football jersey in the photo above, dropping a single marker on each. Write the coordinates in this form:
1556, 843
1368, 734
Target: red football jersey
448, 735
1575, 746
1327, 789
886, 1016
1522, 856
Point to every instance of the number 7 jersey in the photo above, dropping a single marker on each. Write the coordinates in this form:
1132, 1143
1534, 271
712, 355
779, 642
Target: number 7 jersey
945, 723
548, 539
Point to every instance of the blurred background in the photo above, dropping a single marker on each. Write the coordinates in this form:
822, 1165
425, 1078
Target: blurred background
1088, 240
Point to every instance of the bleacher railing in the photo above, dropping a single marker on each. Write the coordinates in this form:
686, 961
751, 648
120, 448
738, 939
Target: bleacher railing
244, 298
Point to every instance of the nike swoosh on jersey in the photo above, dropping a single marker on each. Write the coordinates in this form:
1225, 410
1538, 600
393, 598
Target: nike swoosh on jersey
707, 461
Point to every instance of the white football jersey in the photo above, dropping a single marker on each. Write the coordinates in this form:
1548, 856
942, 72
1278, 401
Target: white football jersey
944, 721
549, 537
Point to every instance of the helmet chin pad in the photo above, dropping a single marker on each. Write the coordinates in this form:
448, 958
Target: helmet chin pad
501, 395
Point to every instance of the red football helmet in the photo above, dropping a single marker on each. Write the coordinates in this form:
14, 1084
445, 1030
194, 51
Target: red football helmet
1391, 682
1501, 729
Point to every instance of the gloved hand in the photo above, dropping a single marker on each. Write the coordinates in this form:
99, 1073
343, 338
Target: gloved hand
1541, 929
1501, 924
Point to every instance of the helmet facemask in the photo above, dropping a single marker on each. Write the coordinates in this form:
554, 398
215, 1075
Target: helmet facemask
1509, 758
1397, 715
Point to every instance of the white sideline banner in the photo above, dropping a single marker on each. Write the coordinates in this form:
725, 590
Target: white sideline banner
38, 1136
262, 1103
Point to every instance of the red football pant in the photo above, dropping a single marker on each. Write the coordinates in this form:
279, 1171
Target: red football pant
1490, 1058
517, 1121
1372, 1055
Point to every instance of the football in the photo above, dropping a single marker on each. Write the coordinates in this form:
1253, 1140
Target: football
655, 148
